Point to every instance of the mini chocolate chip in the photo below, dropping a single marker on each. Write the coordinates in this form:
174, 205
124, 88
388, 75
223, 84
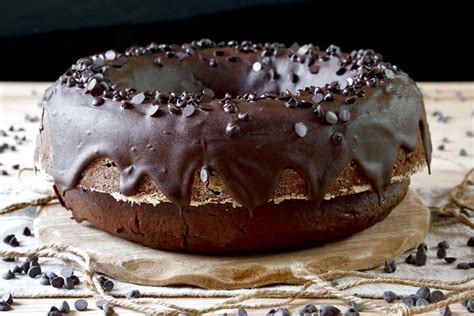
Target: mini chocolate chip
470, 241
436, 296
462, 152
98, 101
421, 258
329, 310
423, 292
155, 110
57, 282
188, 110
8, 275
318, 98
108, 285
138, 98
44, 280
389, 73
80, 305
257, 66
341, 71
441, 253
450, 259
208, 92
244, 116
300, 129
390, 266
34, 271
65, 308
232, 129
133, 294
232, 59
331, 117
337, 138
314, 69
344, 116
463, 266
7, 298
445, 311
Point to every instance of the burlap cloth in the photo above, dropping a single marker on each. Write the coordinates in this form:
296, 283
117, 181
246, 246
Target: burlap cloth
448, 171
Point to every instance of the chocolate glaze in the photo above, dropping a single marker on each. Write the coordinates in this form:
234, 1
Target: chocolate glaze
249, 142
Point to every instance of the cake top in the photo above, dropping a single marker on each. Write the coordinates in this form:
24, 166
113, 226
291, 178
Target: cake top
245, 111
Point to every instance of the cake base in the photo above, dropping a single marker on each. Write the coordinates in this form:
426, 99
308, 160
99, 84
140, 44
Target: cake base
404, 228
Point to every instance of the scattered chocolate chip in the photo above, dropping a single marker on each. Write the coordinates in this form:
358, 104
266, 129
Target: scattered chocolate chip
390, 266
423, 292
7, 298
34, 271
188, 110
441, 253
205, 98
308, 308
69, 283
445, 311
7, 238
57, 282
98, 101
314, 69
97, 91
14, 242
329, 310
441, 147
133, 294
389, 296
173, 109
138, 98
462, 152
8, 275
75, 278
329, 97
344, 116
337, 138
450, 259
463, 266
470, 305
54, 311
232, 129
470, 242
408, 301
331, 117
212, 63
44, 280
241, 312
4, 306
282, 311
421, 302
232, 59
26, 231
436, 296
80, 305
107, 285
16, 166
65, 309
300, 129
351, 312
421, 257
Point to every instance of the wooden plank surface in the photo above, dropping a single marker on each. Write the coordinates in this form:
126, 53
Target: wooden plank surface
453, 99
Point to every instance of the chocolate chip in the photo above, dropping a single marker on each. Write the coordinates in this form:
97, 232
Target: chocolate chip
337, 138
4, 306
244, 116
7, 238
14, 242
308, 308
470, 242
204, 175
17, 270
65, 308
389, 296
133, 294
318, 98
470, 305
173, 109
7, 298
44, 280
8, 259
331, 117
443, 244
138, 98
98, 101
408, 301
421, 302
188, 110
445, 311
232, 59
208, 92
232, 129
351, 99
421, 258
158, 62
57, 282
436, 296
126, 105
450, 259
8, 275
423, 292
344, 116
69, 283
463, 266
441, 253
75, 278
341, 71
257, 66
329, 310
97, 91
282, 311
301, 130
358, 307
213, 63
390, 266
108, 285
34, 271
314, 69
329, 97
80, 305
389, 73
241, 312
351, 312
26, 231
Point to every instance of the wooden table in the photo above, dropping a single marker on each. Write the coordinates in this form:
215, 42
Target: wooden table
18, 99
